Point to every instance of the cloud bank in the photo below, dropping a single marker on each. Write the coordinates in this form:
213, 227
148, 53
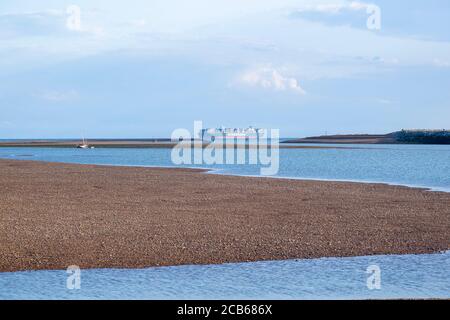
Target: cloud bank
270, 79
334, 8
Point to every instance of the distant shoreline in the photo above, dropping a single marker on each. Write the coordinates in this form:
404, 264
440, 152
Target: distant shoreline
346, 139
413, 137
53, 215
141, 143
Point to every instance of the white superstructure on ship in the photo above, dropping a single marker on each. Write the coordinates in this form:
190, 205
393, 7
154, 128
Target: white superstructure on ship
213, 134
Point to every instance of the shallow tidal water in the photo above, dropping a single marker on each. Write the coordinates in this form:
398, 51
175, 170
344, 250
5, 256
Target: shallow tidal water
402, 276
411, 165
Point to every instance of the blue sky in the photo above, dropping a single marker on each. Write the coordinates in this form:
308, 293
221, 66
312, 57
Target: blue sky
144, 68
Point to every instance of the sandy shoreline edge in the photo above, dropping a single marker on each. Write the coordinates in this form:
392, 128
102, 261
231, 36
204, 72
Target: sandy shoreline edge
53, 215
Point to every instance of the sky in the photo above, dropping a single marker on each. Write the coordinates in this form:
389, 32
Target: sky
140, 68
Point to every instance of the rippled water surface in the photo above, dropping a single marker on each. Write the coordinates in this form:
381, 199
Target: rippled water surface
415, 165
407, 276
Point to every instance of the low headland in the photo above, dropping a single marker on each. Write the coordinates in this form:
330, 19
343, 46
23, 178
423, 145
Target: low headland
399, 137
54, 215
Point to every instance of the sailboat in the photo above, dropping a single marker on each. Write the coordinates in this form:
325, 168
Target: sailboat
84, 145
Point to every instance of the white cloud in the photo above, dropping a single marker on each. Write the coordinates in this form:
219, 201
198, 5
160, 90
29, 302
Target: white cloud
6, 124
441, 63
36, 14
31, 23
356, 5
270, 78
51, 23
59, 96
138, 23
334, 8
384, 101
217, 36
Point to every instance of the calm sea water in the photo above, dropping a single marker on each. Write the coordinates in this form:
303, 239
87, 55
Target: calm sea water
418, 165
407, 276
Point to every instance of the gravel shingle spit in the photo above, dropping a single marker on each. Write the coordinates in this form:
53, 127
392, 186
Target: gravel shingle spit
56, 215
